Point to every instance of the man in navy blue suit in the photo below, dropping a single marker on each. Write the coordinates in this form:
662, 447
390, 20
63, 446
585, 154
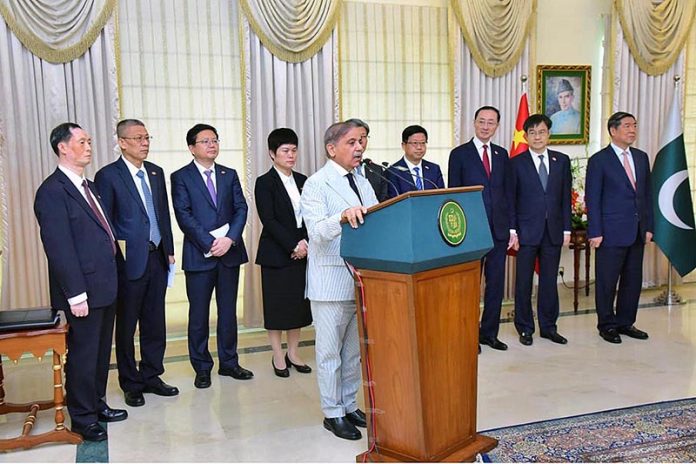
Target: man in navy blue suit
81, 251
480, 162
538, 189
211, 211
135, 199
412, 172
618, 192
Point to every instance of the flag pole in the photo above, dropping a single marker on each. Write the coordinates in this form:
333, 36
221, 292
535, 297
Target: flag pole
669, 297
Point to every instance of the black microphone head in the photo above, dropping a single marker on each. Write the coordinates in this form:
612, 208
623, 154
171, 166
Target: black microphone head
366, 161
385, 164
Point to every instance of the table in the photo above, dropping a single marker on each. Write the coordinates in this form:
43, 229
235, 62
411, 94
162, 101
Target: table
578, 243
37, 342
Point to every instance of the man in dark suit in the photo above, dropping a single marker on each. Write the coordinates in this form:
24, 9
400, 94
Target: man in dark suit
620, 222
412, 172
134, 195
480, 162
374, 173
81, 251
211, 211
538, 189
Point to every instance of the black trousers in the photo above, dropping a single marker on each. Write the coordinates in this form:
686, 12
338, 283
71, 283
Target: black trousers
87, 366
622, 266
199, 289
141, 303
493, 267
547, 299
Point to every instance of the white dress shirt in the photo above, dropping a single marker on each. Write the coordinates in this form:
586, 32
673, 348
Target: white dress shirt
293, 193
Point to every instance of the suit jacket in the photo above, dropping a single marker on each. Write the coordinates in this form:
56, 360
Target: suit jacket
615, 211
465, 169
379, 184
126, 210
404, 181
324, 197
197, 215
531, 209
79, 250
280, 233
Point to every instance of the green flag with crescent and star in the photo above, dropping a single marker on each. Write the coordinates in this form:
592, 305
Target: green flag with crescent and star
674, 212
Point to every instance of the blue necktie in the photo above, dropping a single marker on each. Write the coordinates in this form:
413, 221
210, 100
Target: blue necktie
543, 173
419, 181
155, 236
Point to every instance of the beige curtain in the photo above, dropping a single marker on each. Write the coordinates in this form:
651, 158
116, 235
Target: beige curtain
655, 31
35, 96
292, 30
648, 98
495, 31
302, 96
57, 31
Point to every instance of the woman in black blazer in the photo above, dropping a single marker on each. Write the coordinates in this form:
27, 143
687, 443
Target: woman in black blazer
282, 252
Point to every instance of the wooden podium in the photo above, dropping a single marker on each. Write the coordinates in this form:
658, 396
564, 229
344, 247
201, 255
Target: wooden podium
419, 330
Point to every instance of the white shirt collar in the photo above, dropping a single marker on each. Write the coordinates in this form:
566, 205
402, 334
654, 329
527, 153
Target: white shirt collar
132, 168
202, 168
411, 165
284, 177
74, 178
479, 144
619, 151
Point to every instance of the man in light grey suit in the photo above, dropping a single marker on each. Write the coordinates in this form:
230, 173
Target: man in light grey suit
332, 194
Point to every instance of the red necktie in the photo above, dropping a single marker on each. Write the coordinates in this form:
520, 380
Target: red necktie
486, 161
627, 168
100, 216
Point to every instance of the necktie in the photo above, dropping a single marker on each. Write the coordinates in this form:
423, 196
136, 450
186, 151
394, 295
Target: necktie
419, 181
211, 187
486, 161
100, 216
627, 168
353, 185
155, 236
543, 173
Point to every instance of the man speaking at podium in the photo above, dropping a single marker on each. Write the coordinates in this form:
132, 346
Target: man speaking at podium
332, 194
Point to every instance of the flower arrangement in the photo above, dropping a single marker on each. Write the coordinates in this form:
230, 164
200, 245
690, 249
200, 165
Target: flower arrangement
578, 218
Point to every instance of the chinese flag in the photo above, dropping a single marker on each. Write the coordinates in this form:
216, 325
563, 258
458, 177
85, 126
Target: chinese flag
519, 145
519, 142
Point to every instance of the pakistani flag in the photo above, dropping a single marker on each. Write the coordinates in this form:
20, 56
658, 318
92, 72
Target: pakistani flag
674, 212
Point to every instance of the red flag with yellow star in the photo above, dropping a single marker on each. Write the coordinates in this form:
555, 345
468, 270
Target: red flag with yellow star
519, 142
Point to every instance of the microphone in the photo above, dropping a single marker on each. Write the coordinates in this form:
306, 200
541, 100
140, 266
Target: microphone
369, 165
403, 169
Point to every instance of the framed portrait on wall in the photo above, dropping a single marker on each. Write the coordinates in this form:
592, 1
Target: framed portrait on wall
563, 94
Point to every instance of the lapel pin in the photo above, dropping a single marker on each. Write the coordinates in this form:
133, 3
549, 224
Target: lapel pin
495, 152
553, 158
222, 172
153, 173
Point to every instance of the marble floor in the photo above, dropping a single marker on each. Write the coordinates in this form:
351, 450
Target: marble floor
279, 420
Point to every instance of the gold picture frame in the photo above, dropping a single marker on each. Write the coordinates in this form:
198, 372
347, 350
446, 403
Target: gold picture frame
563, 94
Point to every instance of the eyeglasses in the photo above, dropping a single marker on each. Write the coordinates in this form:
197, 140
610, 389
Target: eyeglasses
140, 138
540, 133
209, 141
418, 144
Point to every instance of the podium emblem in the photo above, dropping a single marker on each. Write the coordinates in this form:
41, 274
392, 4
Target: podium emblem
452, 222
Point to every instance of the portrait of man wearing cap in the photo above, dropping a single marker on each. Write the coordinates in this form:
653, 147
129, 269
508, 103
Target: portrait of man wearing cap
567, 119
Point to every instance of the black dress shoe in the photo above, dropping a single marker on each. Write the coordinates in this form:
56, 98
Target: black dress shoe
304, 369
633, 332
357, 418
554, 337
134, 399
202, 379
280, 372
526, 339
237, 372
112, 415
91, 432
340, 427
494, 343
161, 389
610, 335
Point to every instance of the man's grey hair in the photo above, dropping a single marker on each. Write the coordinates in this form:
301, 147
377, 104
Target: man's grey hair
125, 124
360, 123
336, 131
